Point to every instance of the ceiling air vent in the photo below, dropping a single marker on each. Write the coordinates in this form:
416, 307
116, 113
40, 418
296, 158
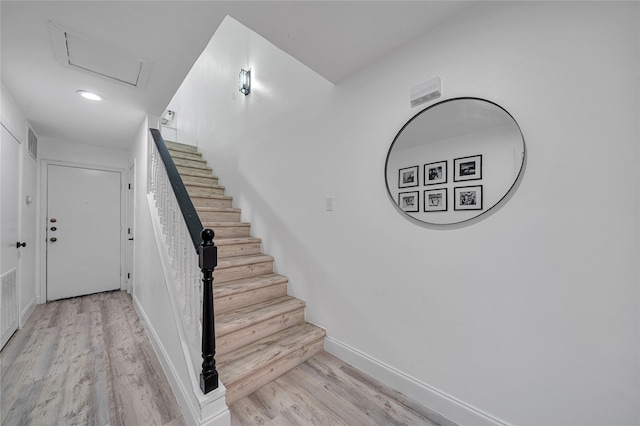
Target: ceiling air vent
74, 50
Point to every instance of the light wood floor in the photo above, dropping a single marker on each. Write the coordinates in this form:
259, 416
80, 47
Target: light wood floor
327, 391
88, 361
85, 361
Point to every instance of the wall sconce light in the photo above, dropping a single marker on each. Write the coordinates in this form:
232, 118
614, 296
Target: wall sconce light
245, 81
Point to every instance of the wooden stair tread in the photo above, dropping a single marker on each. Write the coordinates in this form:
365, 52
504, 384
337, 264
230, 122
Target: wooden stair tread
248, 284
203, 185
218, 196
192, 164
194, 168
185, 155
194, 173
177, 146
224, 224
234, 365
218, 209
231, 262
237, 319
239, 240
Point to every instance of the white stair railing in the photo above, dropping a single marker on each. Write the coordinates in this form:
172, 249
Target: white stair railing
185, 264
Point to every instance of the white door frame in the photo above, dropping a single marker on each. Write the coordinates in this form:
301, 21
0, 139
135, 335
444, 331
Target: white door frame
42, 225
130, 224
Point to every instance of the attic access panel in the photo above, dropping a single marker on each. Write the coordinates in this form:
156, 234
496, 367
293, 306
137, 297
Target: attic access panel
81, 53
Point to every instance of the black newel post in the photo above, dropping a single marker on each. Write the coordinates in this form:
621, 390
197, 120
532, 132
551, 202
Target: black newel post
208, 261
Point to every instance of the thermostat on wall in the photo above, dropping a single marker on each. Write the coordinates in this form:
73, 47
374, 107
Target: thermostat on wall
430, 89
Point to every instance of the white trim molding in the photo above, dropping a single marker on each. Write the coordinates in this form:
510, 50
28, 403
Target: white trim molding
204, 410
441, 403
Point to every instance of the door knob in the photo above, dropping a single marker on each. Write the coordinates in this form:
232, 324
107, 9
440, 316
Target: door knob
53, 239
53, 228
19, 244
53, 220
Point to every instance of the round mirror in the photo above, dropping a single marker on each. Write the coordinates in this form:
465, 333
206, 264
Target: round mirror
454, 161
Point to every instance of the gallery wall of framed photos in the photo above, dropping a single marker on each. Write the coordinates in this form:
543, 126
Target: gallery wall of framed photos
433, 194
451, 179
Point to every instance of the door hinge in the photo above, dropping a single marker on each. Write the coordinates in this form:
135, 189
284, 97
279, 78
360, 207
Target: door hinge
128, 275
129, 186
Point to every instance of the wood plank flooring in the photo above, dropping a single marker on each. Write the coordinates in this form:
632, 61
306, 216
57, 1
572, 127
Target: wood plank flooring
88, 361
327, 391
85, 361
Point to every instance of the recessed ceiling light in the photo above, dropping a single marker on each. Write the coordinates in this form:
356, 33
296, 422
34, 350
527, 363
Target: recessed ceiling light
89, 95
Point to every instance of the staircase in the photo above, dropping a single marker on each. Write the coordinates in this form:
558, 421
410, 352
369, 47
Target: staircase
261, 332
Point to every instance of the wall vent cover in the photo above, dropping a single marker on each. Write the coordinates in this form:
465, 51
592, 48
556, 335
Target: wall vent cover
32, 143
79, 52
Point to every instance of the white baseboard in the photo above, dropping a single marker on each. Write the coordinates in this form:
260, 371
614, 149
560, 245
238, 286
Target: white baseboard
191, 410
445, 405
24, 315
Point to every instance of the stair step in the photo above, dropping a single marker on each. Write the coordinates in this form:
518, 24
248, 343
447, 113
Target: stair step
194, 171
235, 268
185, 155
212, 201
206, 180
218, 214
232, 247
248, 291
180, 146
197, 164
246, 369
198, 191
229, 229
246, 325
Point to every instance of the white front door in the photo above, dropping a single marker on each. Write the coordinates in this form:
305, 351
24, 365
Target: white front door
83, 231
9, 204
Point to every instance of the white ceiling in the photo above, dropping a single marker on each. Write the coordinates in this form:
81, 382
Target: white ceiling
334, 38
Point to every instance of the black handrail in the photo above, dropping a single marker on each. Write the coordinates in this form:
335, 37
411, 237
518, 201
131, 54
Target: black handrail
207, 258
191, 217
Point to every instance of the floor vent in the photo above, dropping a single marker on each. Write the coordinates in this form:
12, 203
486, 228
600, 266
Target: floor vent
9, 304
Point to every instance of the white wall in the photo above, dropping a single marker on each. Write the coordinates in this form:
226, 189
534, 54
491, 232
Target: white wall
16, 122
530, 316
59, 150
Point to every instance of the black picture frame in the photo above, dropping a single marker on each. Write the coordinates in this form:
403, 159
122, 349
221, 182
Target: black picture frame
435, 173
467, 168
408, 177
467, 198
409, 201
435, 200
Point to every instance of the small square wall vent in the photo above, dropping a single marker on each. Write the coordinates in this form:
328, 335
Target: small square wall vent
74, 50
